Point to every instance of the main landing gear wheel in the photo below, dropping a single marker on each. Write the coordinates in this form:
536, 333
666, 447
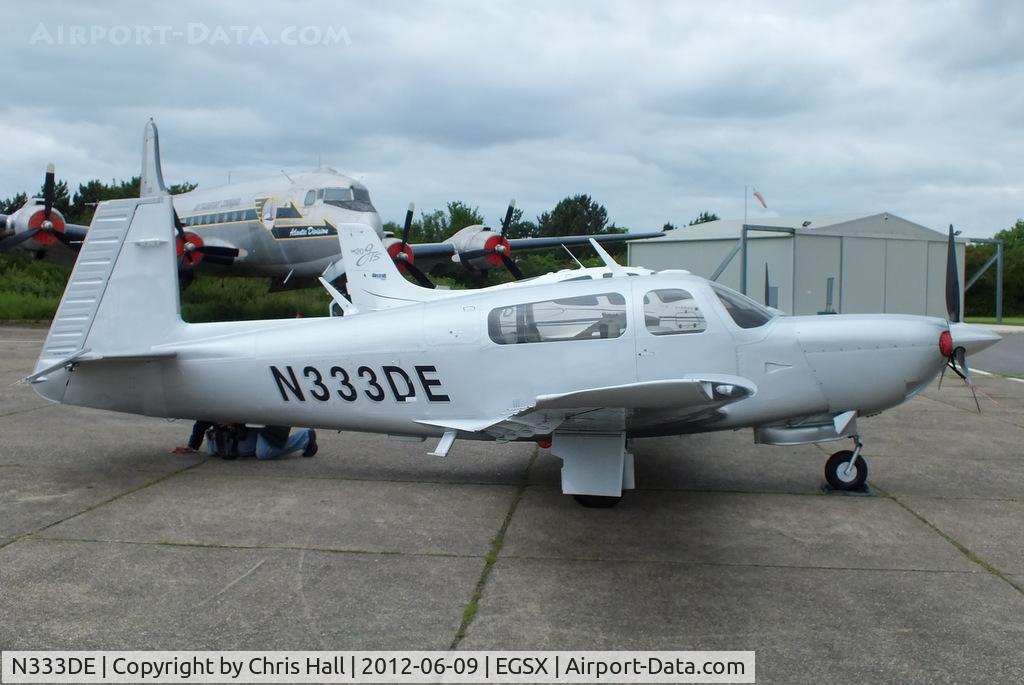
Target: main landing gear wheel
597, 501
841, 475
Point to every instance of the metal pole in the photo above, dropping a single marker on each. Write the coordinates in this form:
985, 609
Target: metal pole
724, 264
999, 282
743, 259
998, 258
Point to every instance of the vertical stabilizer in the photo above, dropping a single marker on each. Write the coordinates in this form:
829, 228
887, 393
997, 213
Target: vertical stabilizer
122, 297
152, 176
374, 281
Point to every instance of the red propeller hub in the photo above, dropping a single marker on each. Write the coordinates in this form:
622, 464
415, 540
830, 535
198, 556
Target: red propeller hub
46, 237
496, 246
946, 344
401, 255
189, 253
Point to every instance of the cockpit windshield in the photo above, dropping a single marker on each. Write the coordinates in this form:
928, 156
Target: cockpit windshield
743, 310
355, 199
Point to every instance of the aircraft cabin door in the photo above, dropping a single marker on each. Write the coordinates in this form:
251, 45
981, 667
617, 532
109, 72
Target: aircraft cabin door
678, 333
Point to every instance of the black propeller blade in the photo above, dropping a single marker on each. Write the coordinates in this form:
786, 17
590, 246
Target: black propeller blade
508, 216
229, 253
767, 286
217, 259
17, 239
403, 257
512, 267
408, 225
420, 277
952, 281
49, 190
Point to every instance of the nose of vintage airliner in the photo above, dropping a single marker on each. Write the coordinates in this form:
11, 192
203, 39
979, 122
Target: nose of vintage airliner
871, 362
972, 338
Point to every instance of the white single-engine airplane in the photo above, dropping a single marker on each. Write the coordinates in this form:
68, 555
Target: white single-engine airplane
284, 227
583, 365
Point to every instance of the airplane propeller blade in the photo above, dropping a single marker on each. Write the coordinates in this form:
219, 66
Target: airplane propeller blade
508, 217
961, 357
952, 281
177, 224
512, 267
420, 277
228, 253
767, 285
408, 225
17, 239
218, 259
49, 190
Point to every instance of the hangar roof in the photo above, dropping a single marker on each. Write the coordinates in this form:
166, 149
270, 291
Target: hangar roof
880, 225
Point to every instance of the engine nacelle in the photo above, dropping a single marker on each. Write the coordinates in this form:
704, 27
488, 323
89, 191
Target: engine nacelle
32, 217
480, 248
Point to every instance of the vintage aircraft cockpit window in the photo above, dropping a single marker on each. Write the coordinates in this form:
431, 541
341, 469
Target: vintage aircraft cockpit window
310, 198
591, 317
672, 312
354, 199
743, 310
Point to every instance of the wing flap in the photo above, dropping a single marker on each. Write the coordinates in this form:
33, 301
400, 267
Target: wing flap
608, 408
674, 393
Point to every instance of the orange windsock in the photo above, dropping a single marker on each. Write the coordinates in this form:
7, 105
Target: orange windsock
760, 198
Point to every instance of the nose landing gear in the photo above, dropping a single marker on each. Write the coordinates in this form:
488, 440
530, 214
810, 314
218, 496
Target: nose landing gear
846, 469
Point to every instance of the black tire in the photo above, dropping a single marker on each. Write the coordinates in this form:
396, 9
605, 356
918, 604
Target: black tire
597, 501
835, 469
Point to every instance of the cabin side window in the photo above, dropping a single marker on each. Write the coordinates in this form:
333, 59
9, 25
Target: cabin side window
310, 198
672, 312
590, 317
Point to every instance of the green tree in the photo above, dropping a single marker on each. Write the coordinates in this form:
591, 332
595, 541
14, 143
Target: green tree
704, 217
576, 215
13, 204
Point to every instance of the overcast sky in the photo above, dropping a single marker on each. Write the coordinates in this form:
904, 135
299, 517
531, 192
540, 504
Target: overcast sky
658, 110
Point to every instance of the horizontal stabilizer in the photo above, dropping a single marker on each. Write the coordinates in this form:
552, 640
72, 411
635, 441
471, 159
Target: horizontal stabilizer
87, 356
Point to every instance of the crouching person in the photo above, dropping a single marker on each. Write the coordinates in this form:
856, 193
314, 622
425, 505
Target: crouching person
278, 441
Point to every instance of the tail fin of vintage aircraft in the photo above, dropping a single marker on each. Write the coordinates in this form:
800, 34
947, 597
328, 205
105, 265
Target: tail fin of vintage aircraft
374, 281
152, 181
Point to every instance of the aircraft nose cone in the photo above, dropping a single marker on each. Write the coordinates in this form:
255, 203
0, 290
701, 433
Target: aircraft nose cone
972, 338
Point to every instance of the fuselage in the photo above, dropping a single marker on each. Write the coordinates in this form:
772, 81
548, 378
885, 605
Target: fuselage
480, 356
282, 225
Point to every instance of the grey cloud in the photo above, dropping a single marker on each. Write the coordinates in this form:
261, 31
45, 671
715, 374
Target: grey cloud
659, 110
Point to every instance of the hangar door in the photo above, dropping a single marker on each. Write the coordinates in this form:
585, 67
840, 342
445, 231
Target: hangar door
863, 280
906, 276
817, 259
